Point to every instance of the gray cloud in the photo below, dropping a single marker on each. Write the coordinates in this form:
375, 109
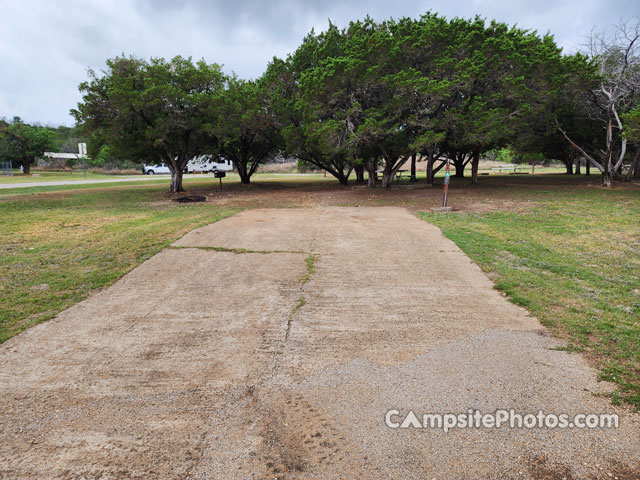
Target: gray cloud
46, 47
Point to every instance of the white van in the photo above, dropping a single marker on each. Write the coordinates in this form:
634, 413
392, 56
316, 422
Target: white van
207, 164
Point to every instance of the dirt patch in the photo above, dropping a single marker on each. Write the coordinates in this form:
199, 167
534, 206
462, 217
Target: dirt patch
190, 199
510, 193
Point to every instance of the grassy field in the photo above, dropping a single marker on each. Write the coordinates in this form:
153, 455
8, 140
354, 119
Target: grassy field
560, 246
573, 260
163, 180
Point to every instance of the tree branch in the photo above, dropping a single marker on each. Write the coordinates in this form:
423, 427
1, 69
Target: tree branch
594, 162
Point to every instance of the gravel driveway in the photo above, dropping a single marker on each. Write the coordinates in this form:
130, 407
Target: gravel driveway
271, 345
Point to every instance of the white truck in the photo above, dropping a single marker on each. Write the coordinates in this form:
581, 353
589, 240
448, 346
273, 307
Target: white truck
156, 169
208, 164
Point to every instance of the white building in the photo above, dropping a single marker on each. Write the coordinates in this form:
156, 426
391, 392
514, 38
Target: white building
55, 159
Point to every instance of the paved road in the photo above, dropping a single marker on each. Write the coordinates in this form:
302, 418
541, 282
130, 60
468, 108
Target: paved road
116, 180
224, 357
82, 182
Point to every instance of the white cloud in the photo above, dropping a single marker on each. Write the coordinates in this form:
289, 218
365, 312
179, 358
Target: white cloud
46, 47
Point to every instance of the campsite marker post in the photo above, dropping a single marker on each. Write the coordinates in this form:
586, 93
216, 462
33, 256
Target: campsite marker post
447, 178
82, 150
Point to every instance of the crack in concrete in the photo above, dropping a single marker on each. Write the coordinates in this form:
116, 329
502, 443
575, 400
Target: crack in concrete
311, 268
237, 251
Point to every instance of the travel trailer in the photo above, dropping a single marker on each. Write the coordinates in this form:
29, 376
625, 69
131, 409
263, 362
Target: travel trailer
202, 164
207, 163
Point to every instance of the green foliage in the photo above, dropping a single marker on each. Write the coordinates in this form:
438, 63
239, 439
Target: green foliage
23, 143
150, 111
378, 92
245, 129
632, 125
373, 93
502, 155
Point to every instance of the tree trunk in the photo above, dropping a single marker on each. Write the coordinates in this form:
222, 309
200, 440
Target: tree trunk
634, 167
608, 173
176, 181
475, 163
413, 167
578, 172
387, 178
371, 179
587, 166
569, 165
430, 161
371, 164
459, 164
359, 169
26, 166
391, 166
241, 167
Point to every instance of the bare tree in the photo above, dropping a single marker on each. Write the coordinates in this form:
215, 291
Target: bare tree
617, 59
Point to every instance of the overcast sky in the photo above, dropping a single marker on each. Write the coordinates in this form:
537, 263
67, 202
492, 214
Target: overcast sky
46, 46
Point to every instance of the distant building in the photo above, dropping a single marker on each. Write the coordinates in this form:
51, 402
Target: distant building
56, 160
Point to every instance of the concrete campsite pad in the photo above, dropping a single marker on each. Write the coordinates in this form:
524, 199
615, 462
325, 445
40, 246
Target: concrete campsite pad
224, 357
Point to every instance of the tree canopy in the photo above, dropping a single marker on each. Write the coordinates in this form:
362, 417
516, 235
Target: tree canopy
373, 95
23, 143
245, 130
153, 111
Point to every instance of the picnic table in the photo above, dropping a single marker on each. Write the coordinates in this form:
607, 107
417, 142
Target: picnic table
402, 174
399, 175
507, 168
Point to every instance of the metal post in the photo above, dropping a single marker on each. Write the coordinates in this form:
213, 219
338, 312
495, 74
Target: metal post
447, 178
82, 153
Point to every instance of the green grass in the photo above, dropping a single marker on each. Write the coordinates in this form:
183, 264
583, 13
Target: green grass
573, 260
311, 268
191, 180
231, 178
56, 249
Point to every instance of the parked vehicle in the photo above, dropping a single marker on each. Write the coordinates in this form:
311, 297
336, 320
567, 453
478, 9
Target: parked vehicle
208, 164
158, 168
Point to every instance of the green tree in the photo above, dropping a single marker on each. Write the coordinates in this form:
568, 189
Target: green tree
632, 134
152, 111
246, 131
24, 143
310, 101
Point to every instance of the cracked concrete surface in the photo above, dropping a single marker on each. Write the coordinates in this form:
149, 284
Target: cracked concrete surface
184, 369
